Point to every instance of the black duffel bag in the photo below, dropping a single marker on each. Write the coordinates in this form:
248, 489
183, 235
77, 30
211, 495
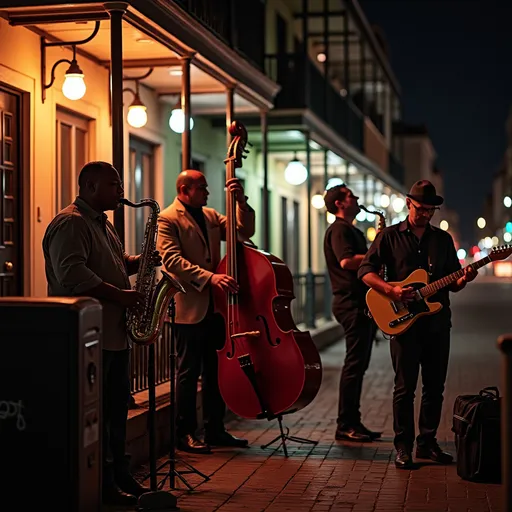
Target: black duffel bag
476, 424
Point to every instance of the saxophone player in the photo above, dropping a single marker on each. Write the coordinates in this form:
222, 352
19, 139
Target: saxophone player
84, 257
344, 249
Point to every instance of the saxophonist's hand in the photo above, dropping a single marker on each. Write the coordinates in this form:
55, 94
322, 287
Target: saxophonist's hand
156, 259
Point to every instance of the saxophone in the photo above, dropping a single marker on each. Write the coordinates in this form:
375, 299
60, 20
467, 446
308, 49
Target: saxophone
145, 328
380, 226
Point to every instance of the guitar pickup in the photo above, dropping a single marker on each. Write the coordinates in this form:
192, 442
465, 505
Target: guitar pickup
401, 320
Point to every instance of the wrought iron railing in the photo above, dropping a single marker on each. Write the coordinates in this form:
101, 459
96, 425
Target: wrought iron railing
241, 25
321, 309
290, 71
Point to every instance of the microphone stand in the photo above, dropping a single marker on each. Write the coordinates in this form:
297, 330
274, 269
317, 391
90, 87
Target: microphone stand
172, 473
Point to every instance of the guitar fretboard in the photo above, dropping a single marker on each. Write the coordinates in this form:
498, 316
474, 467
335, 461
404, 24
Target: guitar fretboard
434, 287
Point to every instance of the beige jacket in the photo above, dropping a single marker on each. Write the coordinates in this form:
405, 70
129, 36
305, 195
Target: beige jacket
187, 256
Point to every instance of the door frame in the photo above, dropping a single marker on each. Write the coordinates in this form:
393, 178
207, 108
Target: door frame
22, 281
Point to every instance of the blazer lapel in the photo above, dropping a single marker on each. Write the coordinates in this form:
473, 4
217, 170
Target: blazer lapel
183, 211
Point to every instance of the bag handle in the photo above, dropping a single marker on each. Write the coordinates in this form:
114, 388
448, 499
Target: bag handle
490, 392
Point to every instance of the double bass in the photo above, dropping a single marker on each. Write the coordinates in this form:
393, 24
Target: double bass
267, 367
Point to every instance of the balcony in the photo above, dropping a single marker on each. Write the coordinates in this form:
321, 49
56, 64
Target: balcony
241, 25
290, 72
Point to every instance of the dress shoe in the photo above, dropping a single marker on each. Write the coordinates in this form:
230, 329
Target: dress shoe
372, 434
114, 496
433, 452
191, 444
128, 484
224, 438
352, 434
403, 459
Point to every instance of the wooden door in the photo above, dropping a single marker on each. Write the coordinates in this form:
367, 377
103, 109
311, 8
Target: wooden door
10, 197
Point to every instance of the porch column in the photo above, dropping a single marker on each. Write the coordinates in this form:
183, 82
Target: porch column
186, 140
310, 278
264, 157
116, 11
327, 282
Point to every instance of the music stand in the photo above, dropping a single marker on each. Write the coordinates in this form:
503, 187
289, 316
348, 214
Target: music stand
284, 436
172, 473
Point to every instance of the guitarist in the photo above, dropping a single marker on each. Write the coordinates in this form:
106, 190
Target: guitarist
344, 249
403, 248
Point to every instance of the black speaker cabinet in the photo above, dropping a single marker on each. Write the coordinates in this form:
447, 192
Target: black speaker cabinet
50, 404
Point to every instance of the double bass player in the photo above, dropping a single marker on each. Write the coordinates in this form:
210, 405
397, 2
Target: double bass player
189, 237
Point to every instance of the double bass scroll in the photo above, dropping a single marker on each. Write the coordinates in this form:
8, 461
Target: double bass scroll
267, 367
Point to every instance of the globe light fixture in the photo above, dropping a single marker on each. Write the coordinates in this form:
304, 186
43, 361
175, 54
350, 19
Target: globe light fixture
74, 85
444, 226
334, 182
398, 204
295, 172
177, 121
330, 218
317, 201
507, 237
461, 254
137, 114
507, 201
481, 222
384, 200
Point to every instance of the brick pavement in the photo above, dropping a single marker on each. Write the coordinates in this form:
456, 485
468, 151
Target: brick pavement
341, 476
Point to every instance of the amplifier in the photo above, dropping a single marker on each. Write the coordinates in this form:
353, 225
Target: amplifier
50, 404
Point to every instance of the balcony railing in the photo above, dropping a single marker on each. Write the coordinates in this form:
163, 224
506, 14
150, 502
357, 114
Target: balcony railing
290, 71
139, 356
396, 169
241, 25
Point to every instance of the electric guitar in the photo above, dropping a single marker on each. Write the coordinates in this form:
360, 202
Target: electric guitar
395, 317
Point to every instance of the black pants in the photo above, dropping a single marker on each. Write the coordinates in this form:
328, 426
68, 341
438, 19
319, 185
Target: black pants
116, 395
196, 346
359, 333
428, 346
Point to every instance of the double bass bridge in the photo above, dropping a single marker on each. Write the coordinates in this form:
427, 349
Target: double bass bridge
248, 334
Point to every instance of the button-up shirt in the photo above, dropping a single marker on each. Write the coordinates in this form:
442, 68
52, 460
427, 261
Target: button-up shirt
402, 252
82, 250
343, 240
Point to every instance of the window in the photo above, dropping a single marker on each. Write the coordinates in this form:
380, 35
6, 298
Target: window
72, 154
290, 234
141, 185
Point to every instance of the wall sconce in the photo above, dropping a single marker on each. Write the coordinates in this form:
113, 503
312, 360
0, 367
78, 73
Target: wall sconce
74, 86
177, 119
137, 112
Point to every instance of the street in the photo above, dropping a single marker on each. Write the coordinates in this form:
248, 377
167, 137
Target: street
336, 476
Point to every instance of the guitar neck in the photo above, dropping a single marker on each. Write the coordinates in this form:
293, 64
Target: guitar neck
434, 287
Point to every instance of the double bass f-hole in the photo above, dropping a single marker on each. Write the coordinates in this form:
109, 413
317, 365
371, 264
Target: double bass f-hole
233, 337
267, 332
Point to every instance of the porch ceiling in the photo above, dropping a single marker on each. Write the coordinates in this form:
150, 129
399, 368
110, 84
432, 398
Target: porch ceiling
140, 52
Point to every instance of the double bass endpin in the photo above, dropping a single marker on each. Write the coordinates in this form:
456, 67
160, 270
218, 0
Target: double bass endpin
249, 334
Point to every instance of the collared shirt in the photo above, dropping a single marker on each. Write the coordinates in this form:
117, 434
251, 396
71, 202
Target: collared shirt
343, 240
82, 250
402, 252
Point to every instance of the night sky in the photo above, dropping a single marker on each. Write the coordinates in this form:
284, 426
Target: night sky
453, 60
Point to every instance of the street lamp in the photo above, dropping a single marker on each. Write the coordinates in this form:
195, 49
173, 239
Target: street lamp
444, 226
481, 223
317, 201
507, 201
295, 172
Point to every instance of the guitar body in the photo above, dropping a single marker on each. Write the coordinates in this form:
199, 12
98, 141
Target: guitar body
396, 318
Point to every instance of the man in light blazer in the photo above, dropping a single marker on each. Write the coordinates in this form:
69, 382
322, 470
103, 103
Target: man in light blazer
189, 237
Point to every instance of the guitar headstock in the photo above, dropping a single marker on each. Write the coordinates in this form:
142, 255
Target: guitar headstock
237, 150
501, 252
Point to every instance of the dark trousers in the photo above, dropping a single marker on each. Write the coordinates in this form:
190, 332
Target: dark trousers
427, 346
116, 395
359, 334
196, 347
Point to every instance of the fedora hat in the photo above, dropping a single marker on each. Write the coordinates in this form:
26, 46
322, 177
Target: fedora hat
424, 192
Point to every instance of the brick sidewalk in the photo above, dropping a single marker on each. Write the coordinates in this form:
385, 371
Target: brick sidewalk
342, 476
